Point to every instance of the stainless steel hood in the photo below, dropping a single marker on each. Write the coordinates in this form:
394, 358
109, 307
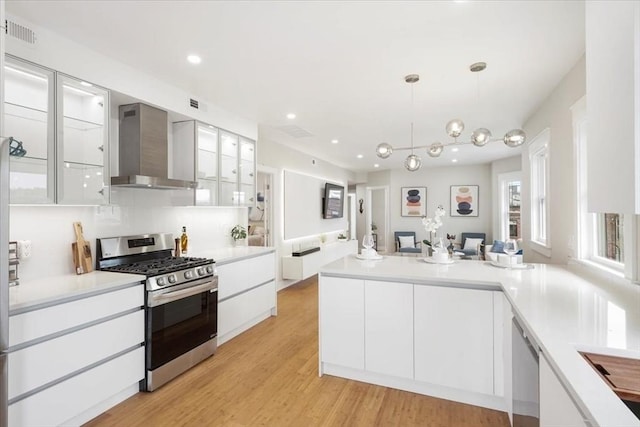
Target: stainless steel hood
143, 154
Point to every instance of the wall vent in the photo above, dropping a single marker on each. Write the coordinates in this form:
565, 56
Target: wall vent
193, 103
20, 32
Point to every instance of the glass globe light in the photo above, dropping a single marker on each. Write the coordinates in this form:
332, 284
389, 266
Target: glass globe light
454, 128
481, 137
515, 138
412, 163
384, 150
435, 149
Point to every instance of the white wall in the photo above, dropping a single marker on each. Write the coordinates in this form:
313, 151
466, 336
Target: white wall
276, 158
50, 228
554, 113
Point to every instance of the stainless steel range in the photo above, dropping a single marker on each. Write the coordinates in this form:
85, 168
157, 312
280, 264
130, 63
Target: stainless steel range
181, 302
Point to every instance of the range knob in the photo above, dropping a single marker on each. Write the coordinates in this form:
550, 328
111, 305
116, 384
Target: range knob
210, 269
200, 271
173, 278
188, 274
161, 281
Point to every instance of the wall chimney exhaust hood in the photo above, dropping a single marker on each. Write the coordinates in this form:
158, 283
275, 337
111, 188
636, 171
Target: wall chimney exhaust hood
143, 154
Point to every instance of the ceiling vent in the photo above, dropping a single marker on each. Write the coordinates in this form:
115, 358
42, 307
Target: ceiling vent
295, 131
193, 103
20, 32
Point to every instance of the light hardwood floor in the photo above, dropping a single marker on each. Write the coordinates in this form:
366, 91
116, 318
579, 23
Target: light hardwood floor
268, 376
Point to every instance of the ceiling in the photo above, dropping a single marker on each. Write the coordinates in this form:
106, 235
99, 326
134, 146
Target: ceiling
340, 66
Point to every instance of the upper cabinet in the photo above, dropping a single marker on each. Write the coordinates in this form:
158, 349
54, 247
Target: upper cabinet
222, 162
60, 122
82, 141
29, 118
613, 106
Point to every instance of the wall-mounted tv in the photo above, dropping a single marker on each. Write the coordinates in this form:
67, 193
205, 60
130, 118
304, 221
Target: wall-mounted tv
333, 202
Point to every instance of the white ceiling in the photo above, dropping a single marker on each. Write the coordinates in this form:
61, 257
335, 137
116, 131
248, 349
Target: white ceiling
340, 65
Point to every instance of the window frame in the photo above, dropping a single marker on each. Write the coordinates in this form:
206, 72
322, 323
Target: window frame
503, 208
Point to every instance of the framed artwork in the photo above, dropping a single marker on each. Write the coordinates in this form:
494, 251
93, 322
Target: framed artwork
413, 201
464, 200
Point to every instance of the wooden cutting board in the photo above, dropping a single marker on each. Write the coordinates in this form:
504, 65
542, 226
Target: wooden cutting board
81, 249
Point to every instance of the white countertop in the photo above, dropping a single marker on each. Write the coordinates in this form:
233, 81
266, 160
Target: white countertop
564, 308
230, 254
31, 294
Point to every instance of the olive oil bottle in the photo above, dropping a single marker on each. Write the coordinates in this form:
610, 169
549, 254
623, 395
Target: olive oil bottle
184, 241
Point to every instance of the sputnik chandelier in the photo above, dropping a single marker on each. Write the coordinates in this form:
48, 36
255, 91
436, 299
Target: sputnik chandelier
479, 137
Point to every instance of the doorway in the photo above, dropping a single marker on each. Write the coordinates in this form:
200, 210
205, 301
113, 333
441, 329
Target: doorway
260, 215
377, 216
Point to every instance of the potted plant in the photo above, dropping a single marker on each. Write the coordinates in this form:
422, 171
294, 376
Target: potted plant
238, 232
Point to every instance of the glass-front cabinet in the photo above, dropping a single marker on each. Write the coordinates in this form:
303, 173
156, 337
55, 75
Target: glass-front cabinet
229, 169
29, 117
222, 162
61, 123
82, 141
207, 165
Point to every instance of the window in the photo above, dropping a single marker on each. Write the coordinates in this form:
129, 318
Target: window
539, 165
599, 235
509, 208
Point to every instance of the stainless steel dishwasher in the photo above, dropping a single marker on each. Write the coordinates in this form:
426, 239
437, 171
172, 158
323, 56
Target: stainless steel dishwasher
525, 378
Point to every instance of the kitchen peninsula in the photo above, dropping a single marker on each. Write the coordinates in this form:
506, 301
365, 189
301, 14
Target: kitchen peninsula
445, 331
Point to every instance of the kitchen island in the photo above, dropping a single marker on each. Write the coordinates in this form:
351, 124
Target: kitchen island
444, 330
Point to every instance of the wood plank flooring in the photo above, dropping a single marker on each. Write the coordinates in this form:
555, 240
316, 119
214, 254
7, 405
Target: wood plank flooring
268, 376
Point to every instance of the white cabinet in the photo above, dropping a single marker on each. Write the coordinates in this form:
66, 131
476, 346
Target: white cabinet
342, 322
59, 353
246, 294
454, 338
388, 328
39, 100
613, 107
237, 170
302, 267
556, 406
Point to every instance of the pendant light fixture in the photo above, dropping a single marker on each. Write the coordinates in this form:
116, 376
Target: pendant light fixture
454, 128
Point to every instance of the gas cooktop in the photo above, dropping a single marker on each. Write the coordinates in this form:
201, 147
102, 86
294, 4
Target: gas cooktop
154, 267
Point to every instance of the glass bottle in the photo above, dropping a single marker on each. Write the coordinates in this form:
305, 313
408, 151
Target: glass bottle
184, 241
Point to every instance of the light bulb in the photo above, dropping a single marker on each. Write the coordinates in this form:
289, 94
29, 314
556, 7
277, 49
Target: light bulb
412, 163
454, 128
480, 137
515, 138
435, 149
384, 150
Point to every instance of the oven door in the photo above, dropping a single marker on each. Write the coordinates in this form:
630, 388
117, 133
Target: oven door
180, 319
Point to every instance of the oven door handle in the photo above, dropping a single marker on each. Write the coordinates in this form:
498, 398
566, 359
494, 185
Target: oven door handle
167, 297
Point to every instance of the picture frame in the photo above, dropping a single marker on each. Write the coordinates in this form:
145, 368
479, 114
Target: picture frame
413, 201
465, 200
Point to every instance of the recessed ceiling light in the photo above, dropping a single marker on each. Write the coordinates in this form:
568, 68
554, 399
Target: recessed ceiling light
455, 149
454, 161
359, 156
291, 116
376, 165
194, 59
334, 141
86, 84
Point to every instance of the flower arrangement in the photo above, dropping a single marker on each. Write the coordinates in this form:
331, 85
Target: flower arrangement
431, 225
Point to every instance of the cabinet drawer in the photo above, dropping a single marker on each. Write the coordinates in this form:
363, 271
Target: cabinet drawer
70, 398
39, 323
241, 275
241, 309
42, 363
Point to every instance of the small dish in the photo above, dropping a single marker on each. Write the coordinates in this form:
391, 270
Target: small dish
433, 261
369, 258
513, 266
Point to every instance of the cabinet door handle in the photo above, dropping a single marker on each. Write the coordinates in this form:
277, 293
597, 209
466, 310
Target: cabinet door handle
101, 192
234, 171
101, 148
250, 174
